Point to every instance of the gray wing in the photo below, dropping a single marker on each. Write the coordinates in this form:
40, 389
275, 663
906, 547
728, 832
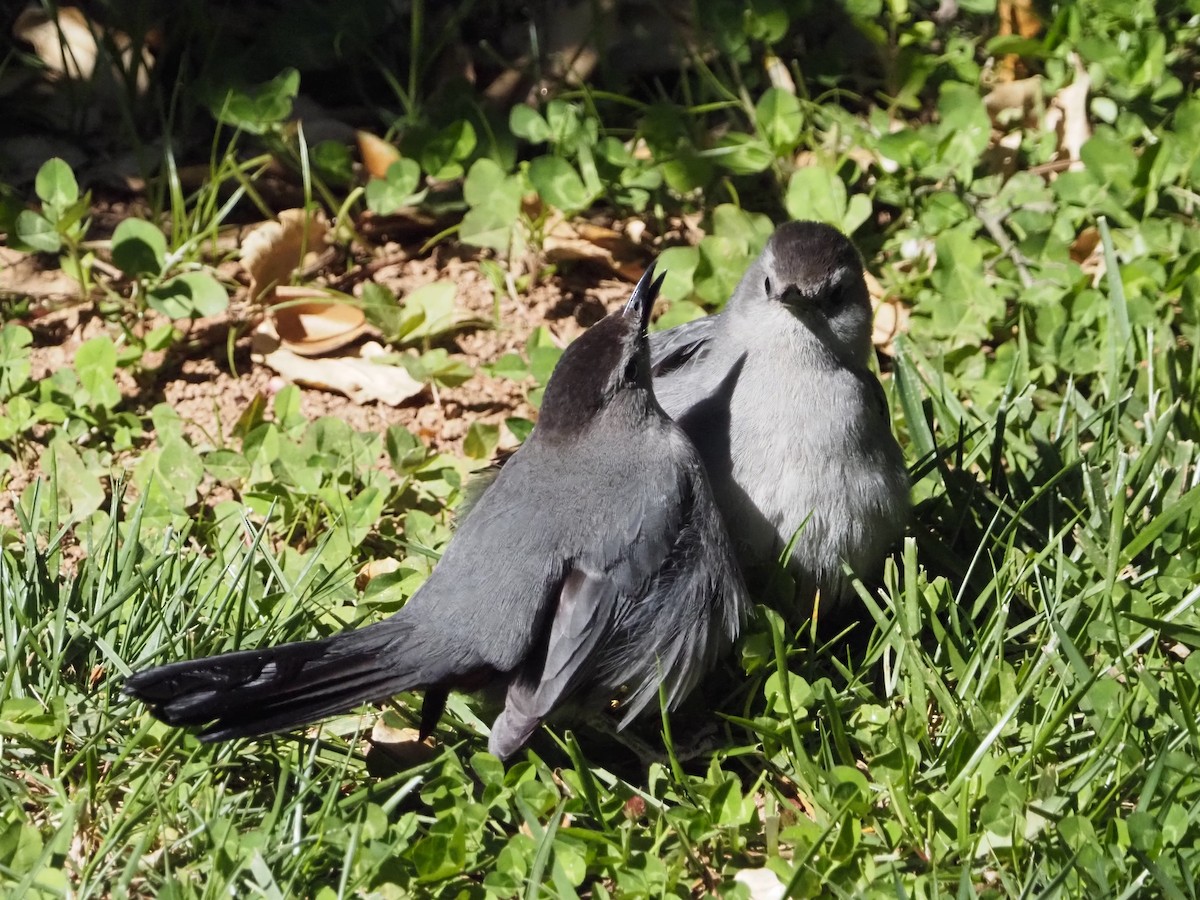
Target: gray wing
582, 619
691, 611
651, 600
676, 347
628, 544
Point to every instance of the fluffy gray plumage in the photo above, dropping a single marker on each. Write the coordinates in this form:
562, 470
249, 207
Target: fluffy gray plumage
793, 427
596, 559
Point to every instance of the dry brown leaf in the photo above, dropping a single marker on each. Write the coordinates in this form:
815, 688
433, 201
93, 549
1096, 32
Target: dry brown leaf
1068, 115
890, 317
67, 45
377, 154
504, 86
1087, 252
374, 569
874, 287
1085, 244
1017, 17
862, 157
1022, 97
402, 748
272, 251
360, 379
583, 241
778, 73
382, 733
891, 320
313, 322
641, 150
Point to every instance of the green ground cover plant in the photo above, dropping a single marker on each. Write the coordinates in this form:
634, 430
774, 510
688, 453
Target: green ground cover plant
1018, 713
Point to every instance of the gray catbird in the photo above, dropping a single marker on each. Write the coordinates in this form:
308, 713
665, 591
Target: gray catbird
597, 559
792, 425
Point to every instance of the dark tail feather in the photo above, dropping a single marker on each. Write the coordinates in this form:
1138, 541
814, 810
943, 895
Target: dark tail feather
256, 692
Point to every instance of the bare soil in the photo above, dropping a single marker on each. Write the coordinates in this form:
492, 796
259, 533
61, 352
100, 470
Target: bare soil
210, 387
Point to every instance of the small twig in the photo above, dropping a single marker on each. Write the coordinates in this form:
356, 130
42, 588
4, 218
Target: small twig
1000, 236
325, 260
365, 271
108, 269
1057, 165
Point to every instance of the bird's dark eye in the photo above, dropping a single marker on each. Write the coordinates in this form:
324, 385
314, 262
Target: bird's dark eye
767, 286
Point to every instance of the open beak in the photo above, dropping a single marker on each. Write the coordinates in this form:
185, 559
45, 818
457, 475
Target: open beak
641, 303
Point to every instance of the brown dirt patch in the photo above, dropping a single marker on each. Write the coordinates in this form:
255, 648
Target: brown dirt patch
210, 390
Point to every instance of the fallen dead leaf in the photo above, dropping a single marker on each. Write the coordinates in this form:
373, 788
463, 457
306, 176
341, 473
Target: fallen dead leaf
312, 322
403, 747
377, 154
65, 42
778, 73
272, 251
890, 317
1012, 102
373, 570
1086, 251
1085, 244
360, 379
862, 157
1017, 17
502, 89
1068, 115
564, 822
763, 884
583, 241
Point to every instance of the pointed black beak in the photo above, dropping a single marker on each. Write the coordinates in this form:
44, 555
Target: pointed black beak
641, 303
792, 296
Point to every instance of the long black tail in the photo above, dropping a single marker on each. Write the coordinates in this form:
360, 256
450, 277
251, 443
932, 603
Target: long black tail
256, 692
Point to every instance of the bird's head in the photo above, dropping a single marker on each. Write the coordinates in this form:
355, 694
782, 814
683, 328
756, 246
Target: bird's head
812, 274
607, 365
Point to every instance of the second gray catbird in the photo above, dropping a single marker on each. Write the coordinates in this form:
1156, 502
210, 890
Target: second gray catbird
596, 560
792, 425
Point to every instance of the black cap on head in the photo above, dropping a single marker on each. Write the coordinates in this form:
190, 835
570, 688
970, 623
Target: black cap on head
809, 255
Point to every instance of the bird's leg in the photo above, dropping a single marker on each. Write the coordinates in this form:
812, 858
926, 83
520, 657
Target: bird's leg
432, 708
